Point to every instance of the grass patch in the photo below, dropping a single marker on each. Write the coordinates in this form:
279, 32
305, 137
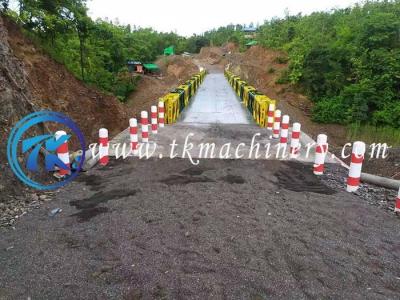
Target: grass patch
374, 134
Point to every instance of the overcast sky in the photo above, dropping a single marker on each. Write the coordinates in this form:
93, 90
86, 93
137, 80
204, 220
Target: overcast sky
188, 17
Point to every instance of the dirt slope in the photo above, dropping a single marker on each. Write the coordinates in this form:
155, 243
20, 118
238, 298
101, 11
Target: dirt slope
54, 88
174, 70
31, 81
15, 101
262, 67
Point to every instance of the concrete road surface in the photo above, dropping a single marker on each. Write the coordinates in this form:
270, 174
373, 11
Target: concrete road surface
216, 116
216, 102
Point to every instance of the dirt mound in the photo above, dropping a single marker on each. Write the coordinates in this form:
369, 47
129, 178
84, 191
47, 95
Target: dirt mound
230, 47
15, 101
174, 70
262, 67
176, 67
54, 88
32, 81
212, 55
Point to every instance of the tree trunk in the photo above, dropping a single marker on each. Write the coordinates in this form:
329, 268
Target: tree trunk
81, 46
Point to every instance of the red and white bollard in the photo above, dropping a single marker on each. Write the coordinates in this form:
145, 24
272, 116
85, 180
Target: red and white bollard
145, 126
321, 151
133, 129
63, 155
295, 141
161, 114
154, 120
357, 158
277, 124
103, 147
270, 119
285, 130
397, 205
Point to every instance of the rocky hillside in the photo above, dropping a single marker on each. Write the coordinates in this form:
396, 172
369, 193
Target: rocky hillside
15, 102
53, 87
32, 81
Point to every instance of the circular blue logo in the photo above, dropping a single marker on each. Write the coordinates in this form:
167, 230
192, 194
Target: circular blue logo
52, 143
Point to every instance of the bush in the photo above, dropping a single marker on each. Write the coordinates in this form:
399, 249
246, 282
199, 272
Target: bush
330, 111
343, 59
125, 85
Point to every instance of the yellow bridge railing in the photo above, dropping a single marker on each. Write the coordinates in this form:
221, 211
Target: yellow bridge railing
255, 102
176, 101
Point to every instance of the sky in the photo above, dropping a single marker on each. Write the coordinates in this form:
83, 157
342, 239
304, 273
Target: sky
188, 17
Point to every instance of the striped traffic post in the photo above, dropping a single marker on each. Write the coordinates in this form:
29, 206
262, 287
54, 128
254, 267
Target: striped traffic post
277, 124
133, 128
295, 141
270, 119
357, 158
154, 119
321, 151
103, 146
63, 154
161, 114
285, 130
397, 206
145, 126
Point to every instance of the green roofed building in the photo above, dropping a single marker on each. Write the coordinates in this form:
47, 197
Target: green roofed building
151, 68
169, 51
251, 43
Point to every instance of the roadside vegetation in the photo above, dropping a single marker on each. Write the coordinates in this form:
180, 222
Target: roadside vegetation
95, 51
347, 61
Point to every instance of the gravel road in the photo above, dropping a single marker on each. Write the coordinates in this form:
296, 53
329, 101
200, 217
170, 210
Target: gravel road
164, 229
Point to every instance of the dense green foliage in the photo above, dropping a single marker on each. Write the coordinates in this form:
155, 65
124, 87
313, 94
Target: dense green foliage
347, 61
95, 51
222, 35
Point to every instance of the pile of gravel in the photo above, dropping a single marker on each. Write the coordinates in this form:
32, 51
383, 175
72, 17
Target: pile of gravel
13, 208
336, 176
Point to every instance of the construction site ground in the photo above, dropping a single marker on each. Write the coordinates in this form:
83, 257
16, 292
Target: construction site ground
165, 229
224, 229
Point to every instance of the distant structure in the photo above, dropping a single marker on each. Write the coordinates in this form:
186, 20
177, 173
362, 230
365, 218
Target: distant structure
141, 68
250, 34
250, 31
135, 66
169, 51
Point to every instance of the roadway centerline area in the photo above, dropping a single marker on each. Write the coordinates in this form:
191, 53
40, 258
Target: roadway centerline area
216, 102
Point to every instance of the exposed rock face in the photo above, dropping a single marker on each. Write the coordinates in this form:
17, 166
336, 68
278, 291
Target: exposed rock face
14, 103
30, 80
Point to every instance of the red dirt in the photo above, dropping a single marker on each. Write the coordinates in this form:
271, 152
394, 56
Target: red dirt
261, 68
174, 70
55, 88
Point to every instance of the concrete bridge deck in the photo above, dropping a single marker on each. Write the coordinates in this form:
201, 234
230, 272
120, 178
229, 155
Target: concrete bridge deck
216, 102
216, 116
